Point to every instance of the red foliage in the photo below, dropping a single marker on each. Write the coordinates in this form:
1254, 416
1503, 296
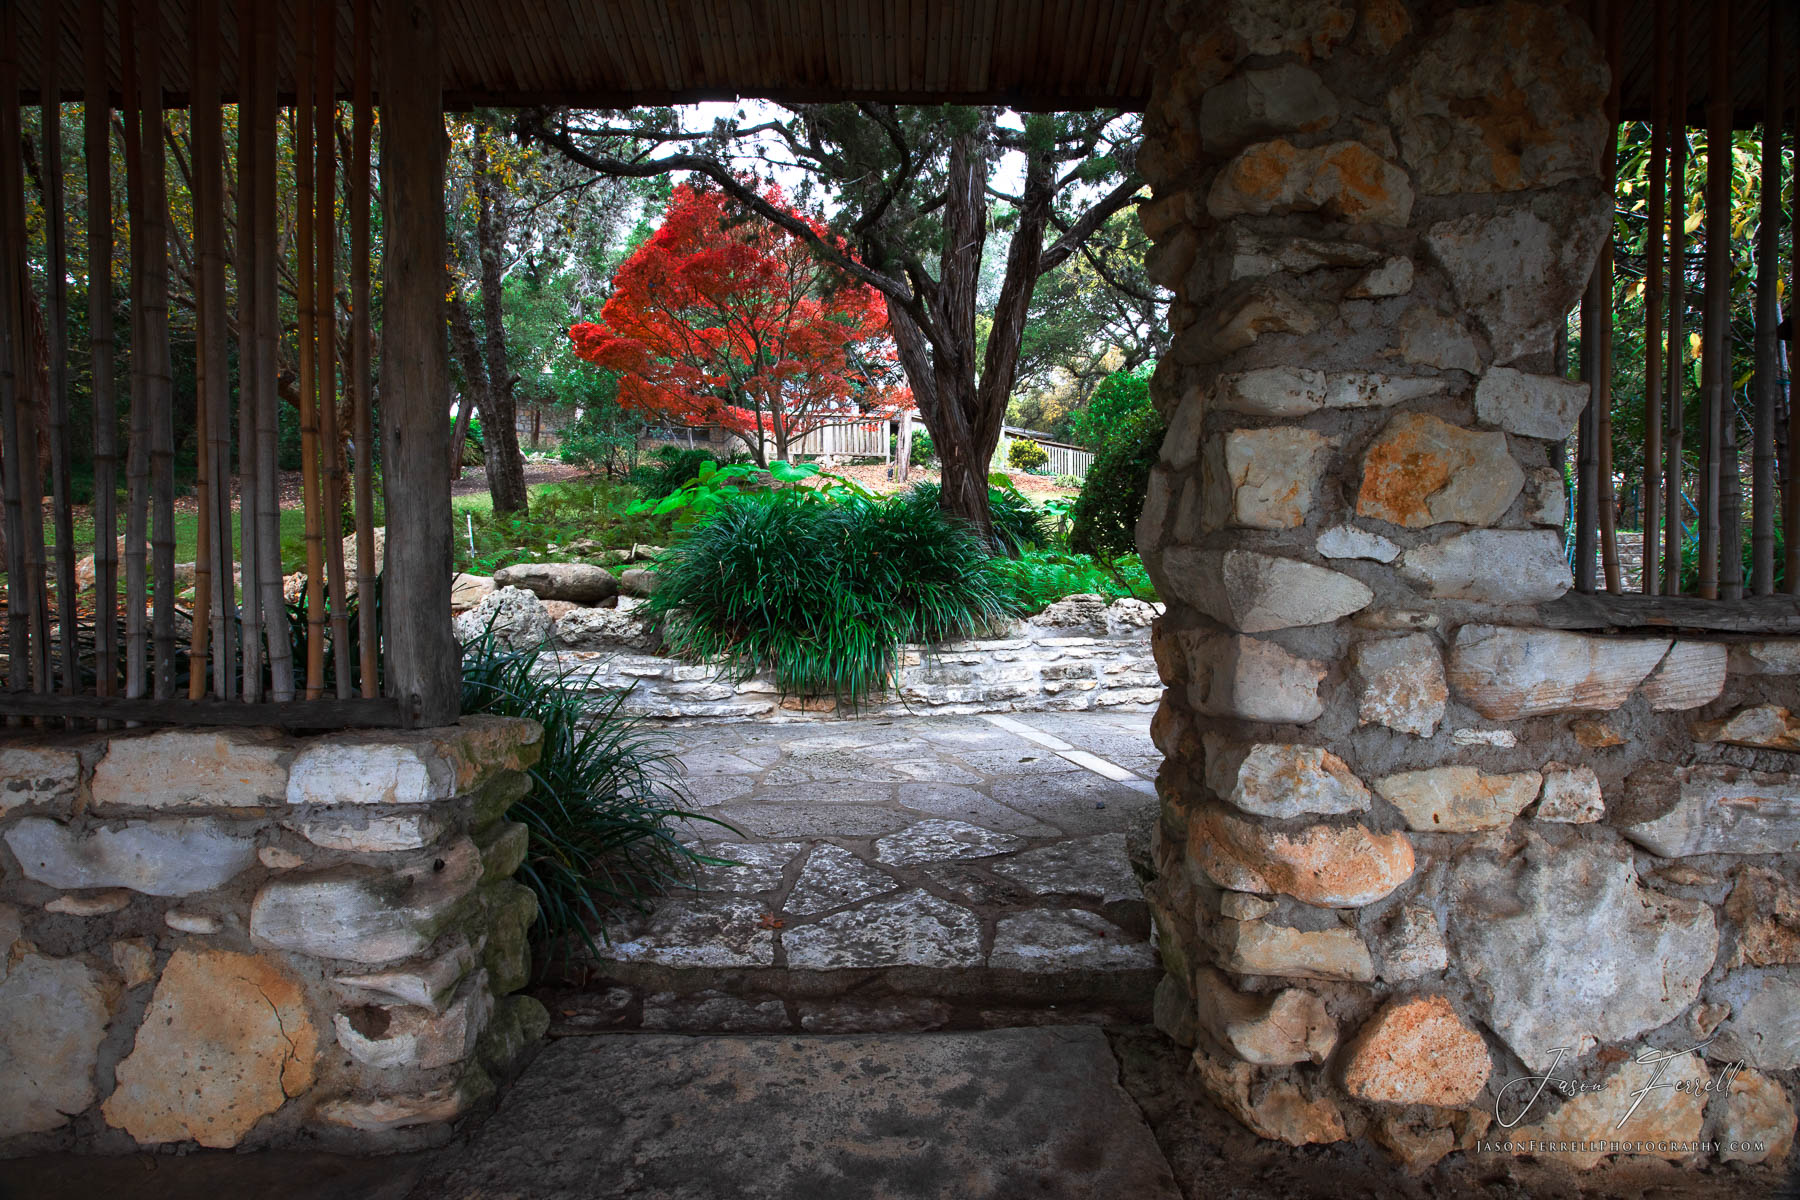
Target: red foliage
724, 318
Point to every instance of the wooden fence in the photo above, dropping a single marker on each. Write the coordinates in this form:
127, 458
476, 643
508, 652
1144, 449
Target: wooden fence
1065, 459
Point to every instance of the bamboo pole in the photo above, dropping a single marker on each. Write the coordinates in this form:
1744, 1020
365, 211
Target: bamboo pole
12, 358
1791, 502
97, 126
268, 330
331, 445
57, 335
363, 431
137, 447
1614, 11
1674, 530
304, 74
158, 386
1654, 268
199, 627
249, 180
1768, 317
1715, 334
215, 445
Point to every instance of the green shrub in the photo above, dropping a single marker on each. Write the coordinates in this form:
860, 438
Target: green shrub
605, 796
1118, 401
821, 594
1112, 496
924, 450
1042, 577
1022, 454
1017, 522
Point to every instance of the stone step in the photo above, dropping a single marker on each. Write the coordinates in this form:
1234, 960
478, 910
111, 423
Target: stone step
970, 1116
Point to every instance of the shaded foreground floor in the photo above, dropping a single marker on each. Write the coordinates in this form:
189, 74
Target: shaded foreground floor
910, 874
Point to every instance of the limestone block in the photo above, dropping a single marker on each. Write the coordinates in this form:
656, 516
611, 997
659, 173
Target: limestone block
1237, 252
581, 583
1456, 137
183, 921
1263, 478
1764, 1027
1760, 726
1403, 684
1458, 799
53, 1015
1490, 566
1670, 1090
44, 777
1411, 945
1394, 277
1692, 674
1347, 541
1417, 1051
1345, 180
1181, 444
1546, 498
1757, 1124
134, 959
466, 591
366, 916
173, 857
1431, 339
1423, 471
1539, 406
1311, 29
1507, 673
1503, 739
226, 1041
1242, 906
1298, 391
516, 617
427, 984
1275, 1109
1241, 319
1571, 795
392, 1037
1259, 948
1518, 270
1711, 808
95, 904
364, 833
1250, 678
600, 628
1255, 593
1270, 1029
1278, 780
1331, 866
1773, 656
1555, 941
383, 1114
1256, 104
1766, 910
637, 582
218, 768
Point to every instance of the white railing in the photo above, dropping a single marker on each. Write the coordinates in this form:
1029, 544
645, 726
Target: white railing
1064, 458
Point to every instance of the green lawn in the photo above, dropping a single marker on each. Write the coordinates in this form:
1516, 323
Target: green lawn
187, 527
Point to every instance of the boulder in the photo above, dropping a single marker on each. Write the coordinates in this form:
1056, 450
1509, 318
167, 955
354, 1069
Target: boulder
1403, 684
516, 617
1417, 1051
638, 582
1330, 866
604, 628
1555, 941
1282, 781
1710, 808
226, 1041
466, 591
1508, 674
1458, 799
579, 583
1424, 471
1254, 593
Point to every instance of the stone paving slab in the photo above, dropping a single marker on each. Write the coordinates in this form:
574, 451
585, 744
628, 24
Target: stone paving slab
969, 1116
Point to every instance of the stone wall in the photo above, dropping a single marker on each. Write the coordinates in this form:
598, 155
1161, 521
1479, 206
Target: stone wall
1414, 845
237, 938
1079, 653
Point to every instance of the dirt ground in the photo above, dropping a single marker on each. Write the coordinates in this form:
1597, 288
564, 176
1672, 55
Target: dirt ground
876, 479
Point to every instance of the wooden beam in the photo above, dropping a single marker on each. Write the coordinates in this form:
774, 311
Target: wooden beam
1771, 615
424, 667
300, 714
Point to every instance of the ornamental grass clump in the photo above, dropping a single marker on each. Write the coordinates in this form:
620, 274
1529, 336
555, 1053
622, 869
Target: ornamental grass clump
822, 594
604, 801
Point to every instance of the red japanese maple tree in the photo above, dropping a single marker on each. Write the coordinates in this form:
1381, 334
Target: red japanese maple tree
724, 318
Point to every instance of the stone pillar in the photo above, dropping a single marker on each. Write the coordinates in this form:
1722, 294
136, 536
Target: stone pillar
229, 937
1387, 878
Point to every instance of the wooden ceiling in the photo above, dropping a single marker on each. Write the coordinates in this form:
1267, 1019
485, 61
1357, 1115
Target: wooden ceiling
1028, 53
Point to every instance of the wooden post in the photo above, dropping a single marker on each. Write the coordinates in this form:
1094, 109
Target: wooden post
1654, 270
360, 346
250, 16
325, 326
1715, 336
158, 387
1675, 526
424, 667
56, 334
268, 331
305, 72
97, 130
1768, 318
12, 351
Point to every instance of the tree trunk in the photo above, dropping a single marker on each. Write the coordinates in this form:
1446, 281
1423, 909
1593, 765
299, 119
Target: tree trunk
499, 419
475, 381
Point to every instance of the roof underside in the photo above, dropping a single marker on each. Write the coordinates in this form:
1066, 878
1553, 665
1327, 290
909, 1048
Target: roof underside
1028, 53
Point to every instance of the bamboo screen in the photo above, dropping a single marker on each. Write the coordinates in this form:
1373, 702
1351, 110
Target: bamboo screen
1712, 515
134, 645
